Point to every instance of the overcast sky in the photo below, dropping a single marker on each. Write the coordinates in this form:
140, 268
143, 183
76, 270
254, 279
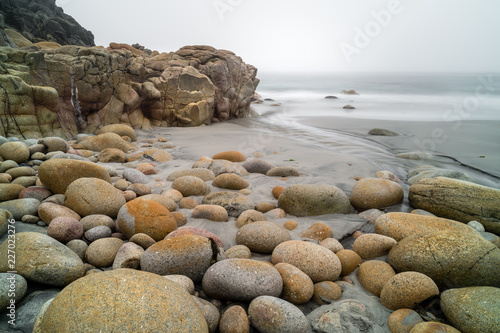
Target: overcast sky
312, 35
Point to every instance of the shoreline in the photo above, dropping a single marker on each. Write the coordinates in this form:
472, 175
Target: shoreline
338, 153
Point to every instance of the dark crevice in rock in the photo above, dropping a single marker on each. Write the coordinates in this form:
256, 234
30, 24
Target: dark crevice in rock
80, 121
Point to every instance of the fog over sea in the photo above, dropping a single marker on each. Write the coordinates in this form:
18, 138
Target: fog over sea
455, 117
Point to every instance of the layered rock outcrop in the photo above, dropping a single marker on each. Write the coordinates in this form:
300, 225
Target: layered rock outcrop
54, 82
75, 89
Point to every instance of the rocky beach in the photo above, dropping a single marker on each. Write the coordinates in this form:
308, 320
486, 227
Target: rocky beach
155, 192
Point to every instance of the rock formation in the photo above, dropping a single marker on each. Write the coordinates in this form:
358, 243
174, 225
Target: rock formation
49, 89
42, 20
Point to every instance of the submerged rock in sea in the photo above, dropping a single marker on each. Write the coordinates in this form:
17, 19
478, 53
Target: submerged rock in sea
459, 200
382, 132
129, 293
349, 92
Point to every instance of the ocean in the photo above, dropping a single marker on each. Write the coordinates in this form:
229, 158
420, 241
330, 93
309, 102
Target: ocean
455, 117
422, 97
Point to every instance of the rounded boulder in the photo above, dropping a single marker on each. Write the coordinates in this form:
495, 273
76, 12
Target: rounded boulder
233, 156
15, 151
58, 174
102, 252
120, 129
311, 200
210, 212
317, 231
376, 193
256, 165
65, 229
190, 185
298, 288
472, 309
241, 280
112, 155
449, 258
145, 216
234, 203
373, 275
187, 255
262, 237
249, 216
349, 260
370, 246
129, 294
326, 292
403, 320
89, 196
407, 290
197, 231
319, 263
274, 315
41, 258
230, 181
234, 320
400, 225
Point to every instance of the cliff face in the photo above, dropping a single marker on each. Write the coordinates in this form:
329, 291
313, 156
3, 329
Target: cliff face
54, 83
50, 90
42, 20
